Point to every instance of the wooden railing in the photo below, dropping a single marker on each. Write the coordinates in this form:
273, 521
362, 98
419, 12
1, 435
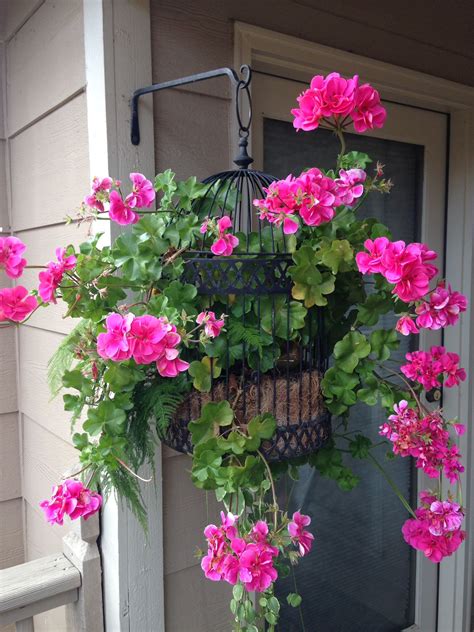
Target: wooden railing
71, 578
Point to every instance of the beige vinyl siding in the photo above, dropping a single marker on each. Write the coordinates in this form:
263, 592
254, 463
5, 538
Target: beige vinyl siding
193, 137
48, 167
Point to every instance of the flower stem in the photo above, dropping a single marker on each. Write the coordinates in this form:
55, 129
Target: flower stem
300, 609
340, 135
145, 480
401, 497
272, 483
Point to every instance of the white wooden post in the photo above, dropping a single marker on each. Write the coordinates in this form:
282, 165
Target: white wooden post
80, 547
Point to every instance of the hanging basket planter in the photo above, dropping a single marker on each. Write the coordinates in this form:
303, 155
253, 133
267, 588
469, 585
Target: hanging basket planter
303, 422
284, 379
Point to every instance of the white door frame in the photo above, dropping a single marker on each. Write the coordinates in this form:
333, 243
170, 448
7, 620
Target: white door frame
293, 58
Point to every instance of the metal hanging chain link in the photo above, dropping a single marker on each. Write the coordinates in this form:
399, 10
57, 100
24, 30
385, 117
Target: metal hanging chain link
242, 88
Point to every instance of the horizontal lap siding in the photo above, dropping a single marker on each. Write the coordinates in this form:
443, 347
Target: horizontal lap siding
45, 62
11, 504
46, 124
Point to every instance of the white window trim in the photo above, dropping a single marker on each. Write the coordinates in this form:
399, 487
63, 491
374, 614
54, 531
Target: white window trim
295, 58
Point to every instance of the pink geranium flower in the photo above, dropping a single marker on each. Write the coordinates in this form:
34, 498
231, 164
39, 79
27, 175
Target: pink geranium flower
72, 499
406, 326
405, 266
121, 211
425, 438
281, 203
368, 113
426, 367
11, 260
350, 185
16, 304
144, 338
442, 308
169, 364
226, 242
212, 326
100, 193
371, 262
301, 537
327, 96
114, 344
256, 570
436, 530
51, 278
143, 191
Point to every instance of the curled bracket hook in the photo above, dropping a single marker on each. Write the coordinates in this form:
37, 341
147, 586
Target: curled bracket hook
219, 72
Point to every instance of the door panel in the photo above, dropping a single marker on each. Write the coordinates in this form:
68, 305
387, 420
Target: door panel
361, 576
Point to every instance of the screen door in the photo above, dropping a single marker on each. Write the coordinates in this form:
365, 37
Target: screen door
360, 575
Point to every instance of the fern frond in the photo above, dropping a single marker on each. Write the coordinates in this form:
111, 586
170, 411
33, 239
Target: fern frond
63, 358
251, 335
128, 489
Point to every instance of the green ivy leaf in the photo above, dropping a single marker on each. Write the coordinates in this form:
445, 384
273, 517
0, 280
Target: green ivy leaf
337, 255
352, 348
181, 296
260, 428
310, 285
382, 342
354, 160
360, 446
106, 416
374, 306
339, 385
201, 372
213, 415
370, 393
294, 600
121, 377
275, 314
328, 461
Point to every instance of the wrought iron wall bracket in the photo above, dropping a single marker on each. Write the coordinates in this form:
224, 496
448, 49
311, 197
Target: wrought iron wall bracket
240, 83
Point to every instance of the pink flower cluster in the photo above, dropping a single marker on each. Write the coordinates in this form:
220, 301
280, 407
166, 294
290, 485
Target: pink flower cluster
225, 241
11, 260
312, 195
121, 210
146, 339
442, 308
436, 530
212, 325
339, 98
232, 559
302, 538
403, 265
100, 192
424, 438
50, 279
72, 499
16, 304
426, 367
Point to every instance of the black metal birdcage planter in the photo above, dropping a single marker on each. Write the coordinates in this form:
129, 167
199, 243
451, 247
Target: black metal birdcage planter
254, 287
257, 278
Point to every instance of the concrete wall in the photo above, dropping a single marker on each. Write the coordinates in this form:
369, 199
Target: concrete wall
45, 145
192, 137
